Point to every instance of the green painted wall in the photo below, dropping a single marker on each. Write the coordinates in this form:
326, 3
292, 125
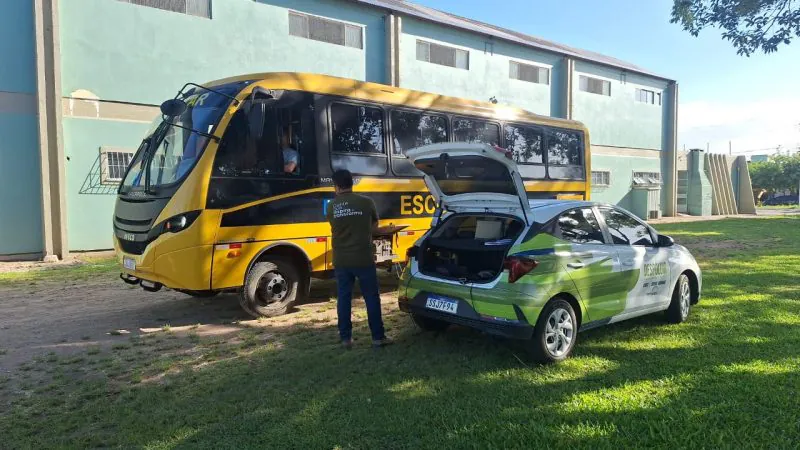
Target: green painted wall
488, 73
89, 214
621, 168
20, 191
133, 53
618, 120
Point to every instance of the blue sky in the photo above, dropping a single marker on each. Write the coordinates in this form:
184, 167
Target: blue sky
753, 102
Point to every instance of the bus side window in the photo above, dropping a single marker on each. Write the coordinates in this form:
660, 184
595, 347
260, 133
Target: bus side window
476, 131
357, 139
526, 146
565, 150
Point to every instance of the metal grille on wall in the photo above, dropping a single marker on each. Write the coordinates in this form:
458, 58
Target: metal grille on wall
199, 8
106, 172
326, 30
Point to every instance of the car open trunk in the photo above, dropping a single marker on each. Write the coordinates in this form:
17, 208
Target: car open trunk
469, 247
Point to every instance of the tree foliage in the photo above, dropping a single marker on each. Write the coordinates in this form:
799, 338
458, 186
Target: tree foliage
750, 25
777, 174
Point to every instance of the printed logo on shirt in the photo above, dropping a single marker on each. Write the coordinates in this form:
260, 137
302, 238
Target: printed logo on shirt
343, 210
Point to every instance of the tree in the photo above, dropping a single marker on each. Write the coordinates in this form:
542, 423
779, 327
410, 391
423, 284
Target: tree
749, 24
777, 174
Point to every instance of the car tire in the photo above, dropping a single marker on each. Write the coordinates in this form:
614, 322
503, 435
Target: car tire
681, 302
429, 324
199, 294
271, 288
556, 332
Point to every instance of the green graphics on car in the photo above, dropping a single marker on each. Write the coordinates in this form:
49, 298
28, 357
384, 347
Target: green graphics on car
535, 270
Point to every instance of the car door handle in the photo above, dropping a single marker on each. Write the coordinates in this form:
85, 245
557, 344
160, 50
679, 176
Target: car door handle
575, 265
627, 262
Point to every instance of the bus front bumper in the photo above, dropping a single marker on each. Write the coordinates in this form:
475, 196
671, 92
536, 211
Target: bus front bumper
184, 269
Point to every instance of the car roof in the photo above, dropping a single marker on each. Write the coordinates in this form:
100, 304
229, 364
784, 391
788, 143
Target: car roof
544, 210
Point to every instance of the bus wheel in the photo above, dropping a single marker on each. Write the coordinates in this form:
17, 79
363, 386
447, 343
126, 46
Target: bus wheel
271, 288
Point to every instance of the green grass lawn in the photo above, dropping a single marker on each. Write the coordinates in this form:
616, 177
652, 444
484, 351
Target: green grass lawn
727, 378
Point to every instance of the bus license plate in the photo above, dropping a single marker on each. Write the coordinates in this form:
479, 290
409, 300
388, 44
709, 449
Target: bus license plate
129, 263
442, 304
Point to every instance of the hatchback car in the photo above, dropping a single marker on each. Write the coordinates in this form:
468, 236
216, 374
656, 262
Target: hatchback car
535, 270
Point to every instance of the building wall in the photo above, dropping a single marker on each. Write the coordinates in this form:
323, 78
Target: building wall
488, 74
126, 59
618, 120
20, 191
621, 163
127, 53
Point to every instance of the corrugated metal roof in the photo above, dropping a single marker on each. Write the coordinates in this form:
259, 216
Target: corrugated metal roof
434, 15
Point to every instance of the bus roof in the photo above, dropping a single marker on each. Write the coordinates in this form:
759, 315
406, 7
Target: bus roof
381, 93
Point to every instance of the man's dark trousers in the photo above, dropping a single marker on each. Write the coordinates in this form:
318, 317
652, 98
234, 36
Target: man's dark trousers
368, 280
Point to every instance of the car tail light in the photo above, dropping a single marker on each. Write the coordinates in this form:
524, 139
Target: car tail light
518, 266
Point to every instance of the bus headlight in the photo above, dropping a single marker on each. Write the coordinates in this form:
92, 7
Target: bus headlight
180, 222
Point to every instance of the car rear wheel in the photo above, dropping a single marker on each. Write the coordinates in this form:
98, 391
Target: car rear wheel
428, 324
556, 332
271, 288
678, 309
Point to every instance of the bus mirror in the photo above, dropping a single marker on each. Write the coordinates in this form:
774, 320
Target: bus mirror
255, 117
173, 107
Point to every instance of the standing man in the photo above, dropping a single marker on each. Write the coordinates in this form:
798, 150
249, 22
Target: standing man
353, 218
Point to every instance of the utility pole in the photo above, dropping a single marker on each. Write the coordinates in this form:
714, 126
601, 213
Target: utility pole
730, 148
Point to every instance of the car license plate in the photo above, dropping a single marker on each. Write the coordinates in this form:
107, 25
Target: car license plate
129, 263
442, 304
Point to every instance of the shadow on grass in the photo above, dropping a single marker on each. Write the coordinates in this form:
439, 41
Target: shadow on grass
454, 389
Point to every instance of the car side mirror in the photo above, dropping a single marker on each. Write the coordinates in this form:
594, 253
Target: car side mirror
665, 241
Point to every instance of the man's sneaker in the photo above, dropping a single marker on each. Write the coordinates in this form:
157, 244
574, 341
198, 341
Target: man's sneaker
382, 342
347, 344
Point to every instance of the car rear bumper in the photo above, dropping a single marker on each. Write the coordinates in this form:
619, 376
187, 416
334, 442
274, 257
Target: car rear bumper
468, 317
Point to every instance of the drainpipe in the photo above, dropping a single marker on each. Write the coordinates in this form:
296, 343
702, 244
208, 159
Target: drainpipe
51, 147
566, 82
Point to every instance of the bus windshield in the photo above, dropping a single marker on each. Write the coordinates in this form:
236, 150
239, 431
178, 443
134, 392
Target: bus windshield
171, 148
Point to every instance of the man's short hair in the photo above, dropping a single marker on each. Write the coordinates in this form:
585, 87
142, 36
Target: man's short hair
343, 179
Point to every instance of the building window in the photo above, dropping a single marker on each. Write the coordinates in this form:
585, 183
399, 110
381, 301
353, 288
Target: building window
601, 178
649, 97
595, 85
646, 178
113, 163
199, 8
326, 30
530, 73
442, 55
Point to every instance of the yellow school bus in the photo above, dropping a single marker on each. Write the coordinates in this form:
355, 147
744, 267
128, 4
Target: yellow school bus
228, 189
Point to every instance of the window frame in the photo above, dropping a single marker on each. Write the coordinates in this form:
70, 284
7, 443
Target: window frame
105, 179
327, 19
600, 224
549, 69
185, 12
590, 77
421, 112
453, 118
601, 171
604, 225
455, 54
582, 165
385, 134
656, 99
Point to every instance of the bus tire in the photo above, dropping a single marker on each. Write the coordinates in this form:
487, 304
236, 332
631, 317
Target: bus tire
271, 288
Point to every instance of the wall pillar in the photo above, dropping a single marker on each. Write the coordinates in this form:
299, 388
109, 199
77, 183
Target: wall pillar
566, 81
51, 146
392, 24
670, 152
